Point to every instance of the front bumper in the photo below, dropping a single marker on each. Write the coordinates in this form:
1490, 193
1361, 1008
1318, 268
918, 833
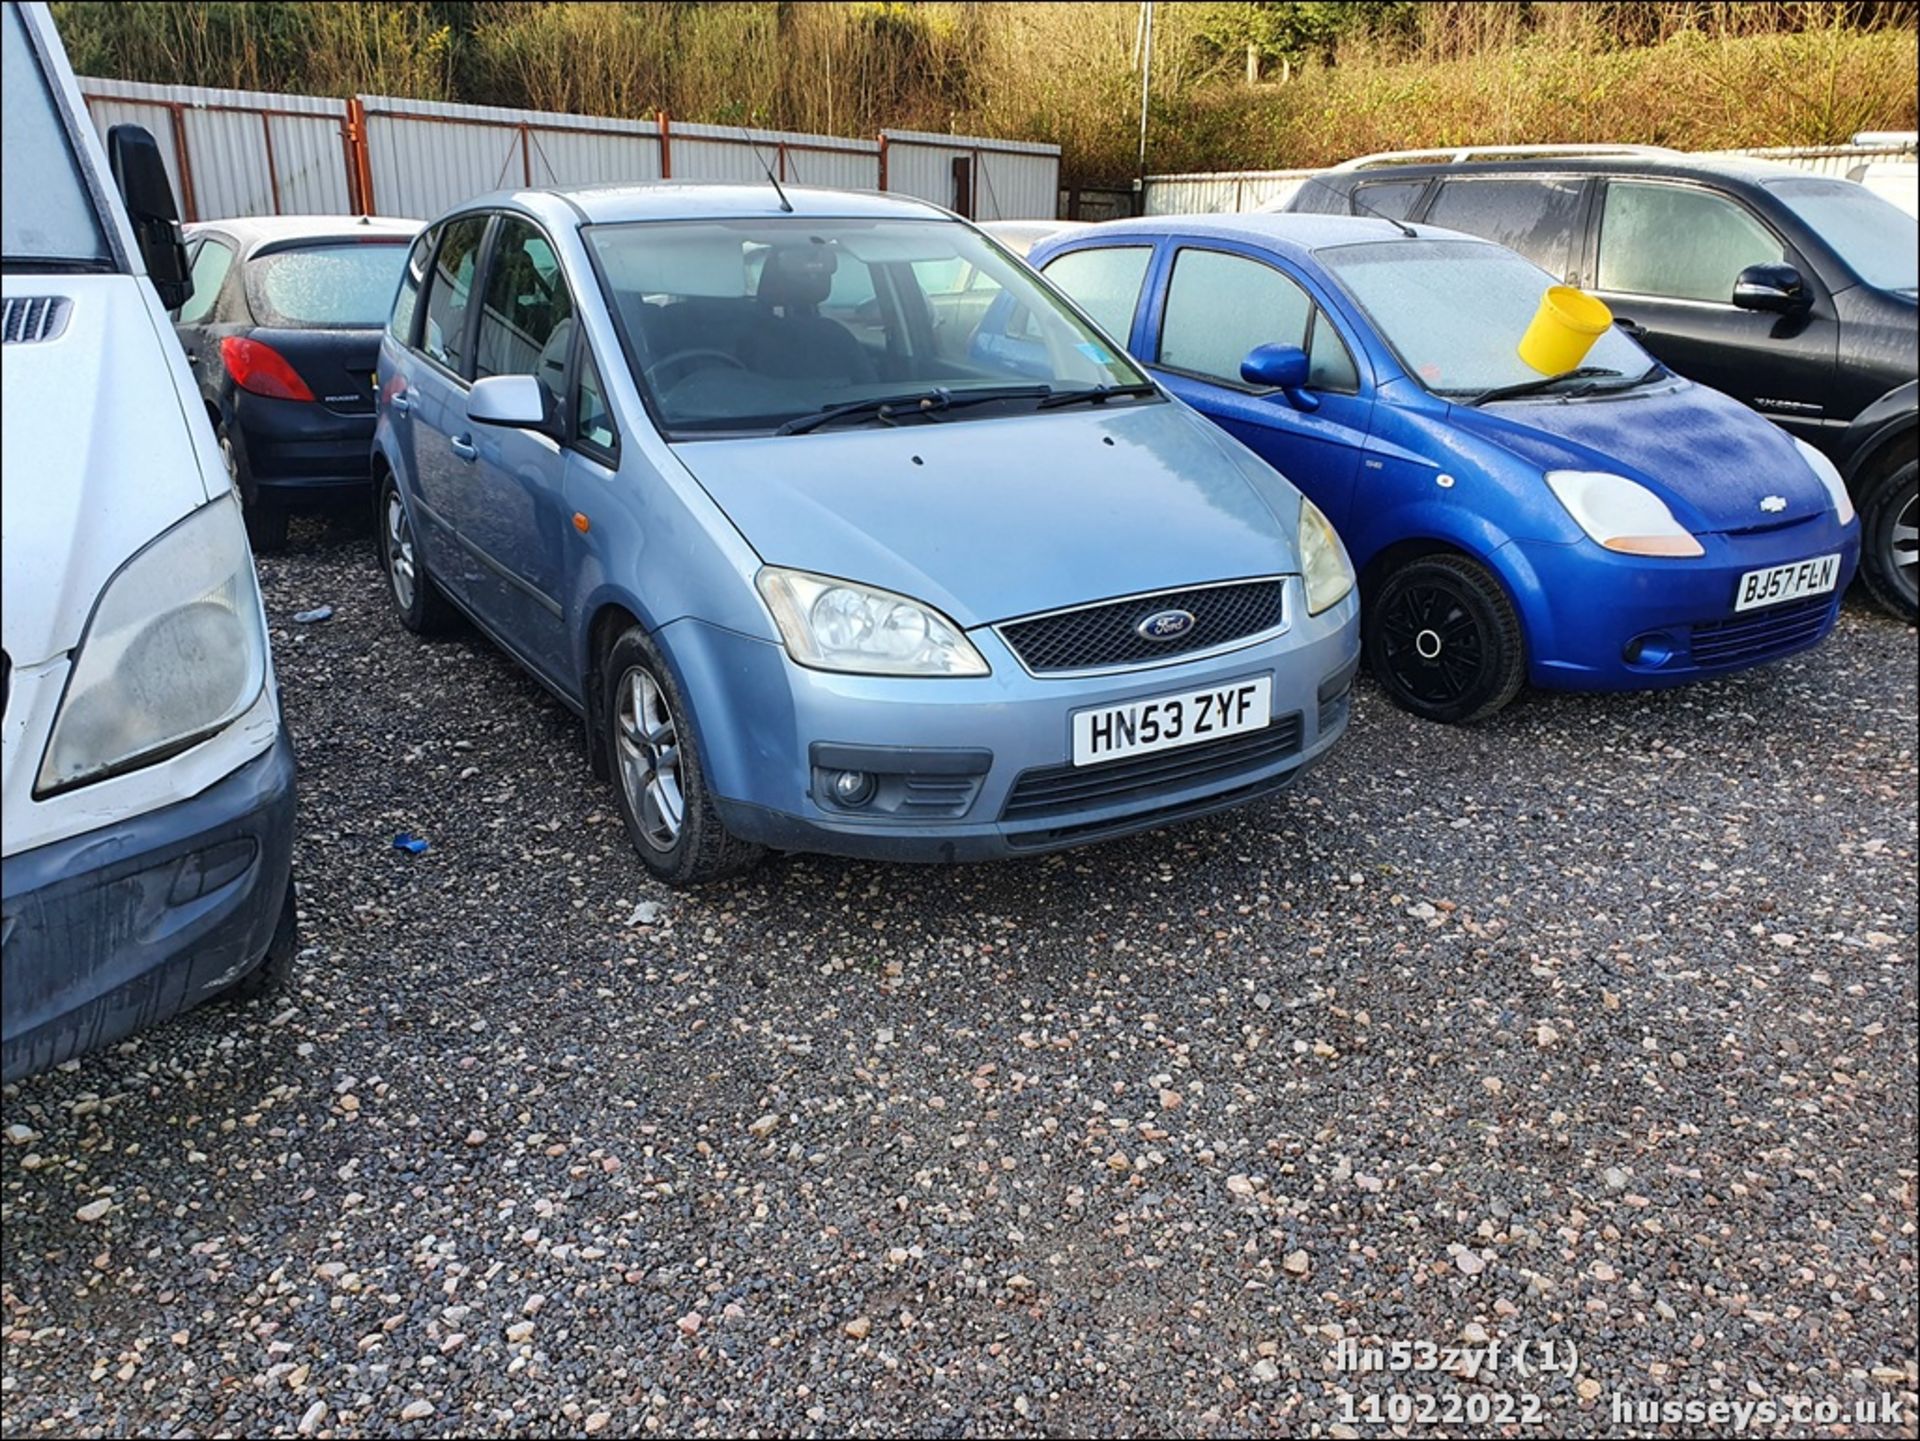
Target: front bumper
114, 930
301, 450
1598, 620
980, 768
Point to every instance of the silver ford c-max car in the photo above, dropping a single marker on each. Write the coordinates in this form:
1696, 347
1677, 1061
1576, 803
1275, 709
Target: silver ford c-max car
832, 552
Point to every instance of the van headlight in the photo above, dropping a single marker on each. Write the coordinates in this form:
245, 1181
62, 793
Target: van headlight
1621, 514
1829, 477
176, 649
1323, 560
837, 625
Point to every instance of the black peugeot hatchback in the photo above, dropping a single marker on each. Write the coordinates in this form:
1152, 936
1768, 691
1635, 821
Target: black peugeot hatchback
283, 333
1790, 291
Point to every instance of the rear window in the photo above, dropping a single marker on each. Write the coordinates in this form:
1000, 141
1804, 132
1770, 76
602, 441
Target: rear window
348, 286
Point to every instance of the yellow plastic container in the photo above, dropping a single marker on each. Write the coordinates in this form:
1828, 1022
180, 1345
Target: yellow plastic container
1563, 329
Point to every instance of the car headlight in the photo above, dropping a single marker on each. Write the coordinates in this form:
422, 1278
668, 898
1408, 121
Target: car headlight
1622, 515
837, 625
1829, 477
175, 650
1323, 560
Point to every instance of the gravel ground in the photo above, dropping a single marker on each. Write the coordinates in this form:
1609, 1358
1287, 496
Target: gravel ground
1594, 1025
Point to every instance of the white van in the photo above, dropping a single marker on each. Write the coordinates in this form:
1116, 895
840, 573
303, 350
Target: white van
145, 773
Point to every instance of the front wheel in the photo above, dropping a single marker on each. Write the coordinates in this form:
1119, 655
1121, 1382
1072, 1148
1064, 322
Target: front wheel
657, 772
1890, 538
1444, 640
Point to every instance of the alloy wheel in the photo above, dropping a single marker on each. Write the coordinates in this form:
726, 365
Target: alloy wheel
400, 568
1903, 544
647, 740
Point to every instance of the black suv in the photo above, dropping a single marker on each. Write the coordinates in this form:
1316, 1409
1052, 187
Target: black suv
1790, 291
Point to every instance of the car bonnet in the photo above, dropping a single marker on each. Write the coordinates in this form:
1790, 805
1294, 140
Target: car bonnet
991, 518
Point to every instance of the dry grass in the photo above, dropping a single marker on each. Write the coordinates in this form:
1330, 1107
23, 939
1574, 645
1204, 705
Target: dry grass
1691, 73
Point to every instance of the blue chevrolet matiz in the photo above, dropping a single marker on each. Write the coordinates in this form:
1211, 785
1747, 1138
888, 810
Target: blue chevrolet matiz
737, 475
1611, 527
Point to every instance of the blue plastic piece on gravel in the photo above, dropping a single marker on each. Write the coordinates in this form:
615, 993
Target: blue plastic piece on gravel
410, 843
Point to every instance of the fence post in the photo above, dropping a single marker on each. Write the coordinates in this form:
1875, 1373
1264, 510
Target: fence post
187, 202
666, 144
273, 167
883, 160
359, 162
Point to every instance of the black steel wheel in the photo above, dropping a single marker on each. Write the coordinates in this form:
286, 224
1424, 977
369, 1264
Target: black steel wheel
1444, 641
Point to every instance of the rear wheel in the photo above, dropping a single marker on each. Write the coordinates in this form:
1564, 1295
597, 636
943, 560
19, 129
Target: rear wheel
1890, 538
657, 772
266, 522
1444, 640
423, 610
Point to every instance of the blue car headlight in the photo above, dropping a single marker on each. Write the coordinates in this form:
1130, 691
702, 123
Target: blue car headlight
839, 625
1829, 477
1622, 515
1324, 566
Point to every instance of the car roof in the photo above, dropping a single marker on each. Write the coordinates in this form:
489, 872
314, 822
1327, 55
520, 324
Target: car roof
1283, 233
622, 201
1675, 166
254, 231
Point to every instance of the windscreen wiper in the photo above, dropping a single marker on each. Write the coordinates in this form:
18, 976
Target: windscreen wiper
1534, 387
1653, 372
920, 402
1096, 395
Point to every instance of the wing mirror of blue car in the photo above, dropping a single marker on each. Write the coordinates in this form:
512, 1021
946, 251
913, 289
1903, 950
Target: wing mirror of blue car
1280, 367
514, 401
1776, 288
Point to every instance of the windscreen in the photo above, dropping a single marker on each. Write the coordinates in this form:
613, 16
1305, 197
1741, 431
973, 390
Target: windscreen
348, 286
1454, 311
738, 327
46, 213
1876, 239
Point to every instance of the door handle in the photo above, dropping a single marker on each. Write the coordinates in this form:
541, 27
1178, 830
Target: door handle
400, 402
464, 447
1631, 327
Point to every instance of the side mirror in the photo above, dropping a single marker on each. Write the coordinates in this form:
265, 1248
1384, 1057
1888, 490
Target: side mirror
1776, 288
1280, 367
141, 176
514, 401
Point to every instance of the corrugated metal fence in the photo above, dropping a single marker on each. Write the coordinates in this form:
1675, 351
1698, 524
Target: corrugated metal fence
246, 152
1237, 190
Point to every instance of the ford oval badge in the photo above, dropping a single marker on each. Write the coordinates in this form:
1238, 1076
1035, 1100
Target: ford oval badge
1164, 625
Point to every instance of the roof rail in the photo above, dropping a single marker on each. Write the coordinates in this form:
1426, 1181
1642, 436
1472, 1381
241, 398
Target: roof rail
1456, 154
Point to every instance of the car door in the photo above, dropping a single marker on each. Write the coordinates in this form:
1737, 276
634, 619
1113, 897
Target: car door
1665, 257
1213, 306
436, 398
212, 261
513, 507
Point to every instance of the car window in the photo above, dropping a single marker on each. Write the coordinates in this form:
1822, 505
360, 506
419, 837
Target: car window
1677, 241
526, 323
1105, 283
449, 290
327, 287
1535, 216
592, 421
47, 212
407, 301
1329, 366
210, 267
1221, 306
1392, 199
1875, 238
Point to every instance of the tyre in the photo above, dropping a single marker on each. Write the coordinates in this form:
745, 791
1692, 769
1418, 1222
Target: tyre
657, 775
1444, 640
1890, 537
276, 967
266, 523
422, 608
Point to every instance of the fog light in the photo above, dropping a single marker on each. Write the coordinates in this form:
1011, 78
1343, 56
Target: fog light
851, 788
1654, 649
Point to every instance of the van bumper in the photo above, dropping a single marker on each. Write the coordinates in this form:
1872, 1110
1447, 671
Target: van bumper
117, 929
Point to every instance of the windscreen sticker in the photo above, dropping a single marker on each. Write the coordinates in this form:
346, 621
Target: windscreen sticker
1094, 352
